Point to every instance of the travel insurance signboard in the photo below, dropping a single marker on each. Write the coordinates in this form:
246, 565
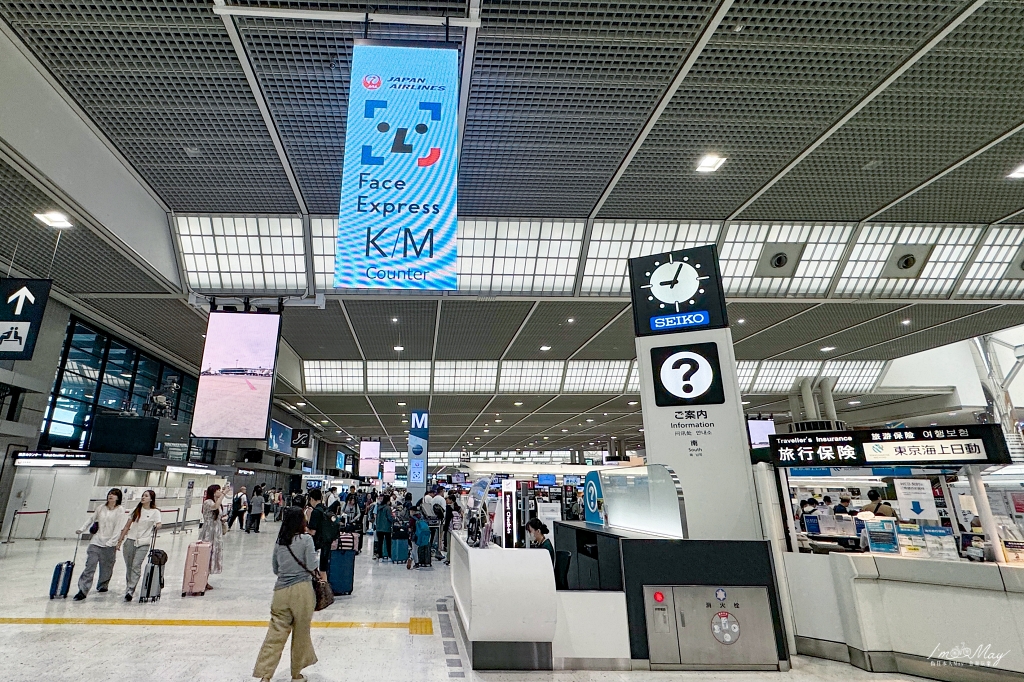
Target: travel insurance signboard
398, 217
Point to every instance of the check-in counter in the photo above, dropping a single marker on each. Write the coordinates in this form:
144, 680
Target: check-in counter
945, 620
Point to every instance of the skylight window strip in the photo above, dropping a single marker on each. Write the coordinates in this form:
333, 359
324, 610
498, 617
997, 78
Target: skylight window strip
465, 376
984, 277
853, 376
596, 376
398, 376
333, 376
633, 385
531, 376
745, 370
779, 376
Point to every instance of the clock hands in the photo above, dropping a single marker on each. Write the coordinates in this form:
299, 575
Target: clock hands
675, 280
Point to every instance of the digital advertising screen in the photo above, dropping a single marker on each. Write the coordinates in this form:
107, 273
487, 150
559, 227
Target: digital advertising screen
398, 216
236, 376
280, 438
369, 458
545, 479
570, 480
389, 472
759, 430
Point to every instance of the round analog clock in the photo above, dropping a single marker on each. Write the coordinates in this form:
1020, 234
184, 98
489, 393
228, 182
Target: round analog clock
674, 282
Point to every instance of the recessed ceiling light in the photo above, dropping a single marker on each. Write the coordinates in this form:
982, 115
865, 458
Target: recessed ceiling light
301, 404
405, 421
565, 430
487, 430
632, 402
323, 421
517, 403
741, 321
738, 27
710, 163
338, 431
854, 402
476, 437
497, 421
1017, 173
826, 349
401, 404
746, 402
906, 322
55, 219
590, 421
545, 348
399, 348
394, 319
571, 320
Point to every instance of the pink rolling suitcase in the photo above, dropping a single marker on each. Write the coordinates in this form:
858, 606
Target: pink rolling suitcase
197, 569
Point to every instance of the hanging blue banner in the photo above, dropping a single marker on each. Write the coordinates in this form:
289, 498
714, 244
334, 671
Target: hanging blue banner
398, 217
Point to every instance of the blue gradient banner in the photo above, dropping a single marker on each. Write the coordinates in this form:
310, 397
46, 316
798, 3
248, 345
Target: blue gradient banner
398, 217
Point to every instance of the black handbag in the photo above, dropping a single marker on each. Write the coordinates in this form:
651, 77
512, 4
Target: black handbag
321, 588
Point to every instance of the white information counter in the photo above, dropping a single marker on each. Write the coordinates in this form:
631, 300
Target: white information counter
945, 620
514, 619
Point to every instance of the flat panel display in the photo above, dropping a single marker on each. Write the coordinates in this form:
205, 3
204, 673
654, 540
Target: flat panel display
545, 479
398, 217
759, 430
280, 438
237, 376
369, 458
389, 472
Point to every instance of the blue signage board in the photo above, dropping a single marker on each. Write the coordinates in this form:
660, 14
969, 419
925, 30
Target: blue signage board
398, 218
280, 439
419, 436
591, 495
699, 318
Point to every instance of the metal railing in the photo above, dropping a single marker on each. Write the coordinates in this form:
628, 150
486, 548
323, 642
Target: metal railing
14, 525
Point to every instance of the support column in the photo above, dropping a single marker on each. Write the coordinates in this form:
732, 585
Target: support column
988, 522
807, 394
825, 386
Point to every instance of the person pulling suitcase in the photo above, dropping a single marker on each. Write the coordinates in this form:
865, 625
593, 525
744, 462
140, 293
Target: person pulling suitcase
153, 576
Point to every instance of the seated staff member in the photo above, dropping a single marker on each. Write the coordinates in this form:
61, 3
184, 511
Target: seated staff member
877, 507
538, 532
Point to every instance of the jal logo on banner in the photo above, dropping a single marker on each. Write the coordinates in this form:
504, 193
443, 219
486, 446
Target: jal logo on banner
398, 218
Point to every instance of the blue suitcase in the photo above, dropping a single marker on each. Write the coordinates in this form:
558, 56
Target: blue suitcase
399, 551
60, 584
343, 566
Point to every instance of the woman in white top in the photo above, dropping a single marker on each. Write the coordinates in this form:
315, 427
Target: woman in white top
137, 539
109, 520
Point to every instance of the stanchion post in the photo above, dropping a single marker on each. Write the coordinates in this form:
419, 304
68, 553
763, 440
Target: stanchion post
10, 531
42, 531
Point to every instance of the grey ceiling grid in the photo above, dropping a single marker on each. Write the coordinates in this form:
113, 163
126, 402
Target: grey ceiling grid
962, 94
883, 328
756, 317
967, 327
438, 8
560, 90
773, 77
85, 263
319, 334
303, 70
478, 330
159, 79
614, 343
977, 192
387, 405
378, 335
813, 324
549, 325
167, 323
342, 404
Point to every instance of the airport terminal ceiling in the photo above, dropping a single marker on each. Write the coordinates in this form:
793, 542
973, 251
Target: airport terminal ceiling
853, 135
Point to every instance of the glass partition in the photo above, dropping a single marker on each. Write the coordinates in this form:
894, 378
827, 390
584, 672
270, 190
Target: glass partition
647, 499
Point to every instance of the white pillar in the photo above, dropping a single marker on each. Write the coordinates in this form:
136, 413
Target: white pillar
988, 522
825, 386
807, 393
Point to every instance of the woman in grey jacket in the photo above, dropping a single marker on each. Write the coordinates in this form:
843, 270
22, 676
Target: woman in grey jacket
291, 611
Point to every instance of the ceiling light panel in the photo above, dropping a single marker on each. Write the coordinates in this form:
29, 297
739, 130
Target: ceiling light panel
613, 242
985, 276
853, 376
596, 376
333, 376
745, 371
244, 253
398, 376
779, 376
876, 243
519, 256
324, 233
531, 376
818, 262
465, 376
633, 386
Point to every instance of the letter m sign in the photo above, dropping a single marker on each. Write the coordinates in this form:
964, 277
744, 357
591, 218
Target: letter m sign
419, 420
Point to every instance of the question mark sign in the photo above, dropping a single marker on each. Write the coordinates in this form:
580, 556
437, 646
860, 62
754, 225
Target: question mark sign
692, 367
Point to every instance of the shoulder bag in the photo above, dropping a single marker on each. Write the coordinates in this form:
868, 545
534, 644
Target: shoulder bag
322, 590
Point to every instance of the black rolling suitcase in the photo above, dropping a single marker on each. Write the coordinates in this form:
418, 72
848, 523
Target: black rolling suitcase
62, 573
153, 574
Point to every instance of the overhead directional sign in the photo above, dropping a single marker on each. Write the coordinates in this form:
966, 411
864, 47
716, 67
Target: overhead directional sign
22, 303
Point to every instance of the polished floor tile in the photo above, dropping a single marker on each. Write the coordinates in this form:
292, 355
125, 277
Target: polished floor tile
383, 593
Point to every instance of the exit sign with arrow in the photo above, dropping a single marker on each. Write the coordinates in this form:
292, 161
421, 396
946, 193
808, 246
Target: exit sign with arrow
22, 303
